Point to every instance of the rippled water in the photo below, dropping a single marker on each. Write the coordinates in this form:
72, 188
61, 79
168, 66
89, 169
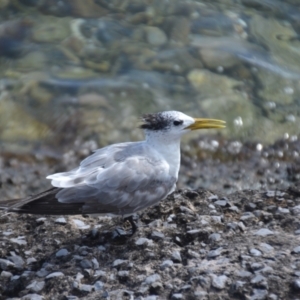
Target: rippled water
90, 68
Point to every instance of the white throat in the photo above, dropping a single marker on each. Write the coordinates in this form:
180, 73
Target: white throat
168, 147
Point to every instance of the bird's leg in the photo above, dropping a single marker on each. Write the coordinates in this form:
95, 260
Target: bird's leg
132, 223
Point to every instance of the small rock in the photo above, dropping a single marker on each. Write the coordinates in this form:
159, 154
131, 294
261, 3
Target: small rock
177, 296
156, 235
32, 297
155, 36
98, 285
19, 240
255, 252
5, 274
214, 253
215, 237
80, 224
119, 262
86, 288
152, 278
123, 274
176, 257
5, 264
219, 282
266, 248
296, 285
283, 211
263, 232
41, 220
36, 286
221, 203
17, 260
144, 242
296, 210
166, 264
62, 253
194, 232
296, 250
55, 274
61, 221
99, 273
259, 281
259, 294
42, 272
86, 264
30, 260
95, 263
243, 274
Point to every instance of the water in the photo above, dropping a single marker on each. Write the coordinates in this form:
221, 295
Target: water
73, 71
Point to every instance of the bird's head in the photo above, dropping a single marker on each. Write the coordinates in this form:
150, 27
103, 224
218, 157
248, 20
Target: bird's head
176, 123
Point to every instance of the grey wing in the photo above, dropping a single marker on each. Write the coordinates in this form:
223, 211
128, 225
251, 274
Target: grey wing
127, 186
91, 166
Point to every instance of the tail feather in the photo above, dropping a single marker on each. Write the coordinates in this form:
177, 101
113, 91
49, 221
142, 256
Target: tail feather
44, 203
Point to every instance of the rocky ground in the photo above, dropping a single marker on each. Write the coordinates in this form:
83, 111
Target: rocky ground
200, 243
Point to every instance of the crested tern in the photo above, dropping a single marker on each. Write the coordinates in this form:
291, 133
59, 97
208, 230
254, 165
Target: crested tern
120, 179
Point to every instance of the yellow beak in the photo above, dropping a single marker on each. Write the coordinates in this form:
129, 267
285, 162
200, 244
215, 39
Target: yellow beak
206, 124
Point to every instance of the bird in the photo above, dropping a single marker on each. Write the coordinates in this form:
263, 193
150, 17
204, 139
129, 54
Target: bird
120, 179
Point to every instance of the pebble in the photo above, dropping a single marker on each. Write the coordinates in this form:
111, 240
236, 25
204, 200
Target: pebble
296, 285
219, 282
36, 286
98, 285
5, 264
41, 220
221, 203
177, 296
156, 235
42, 272
61, 221
17, 260
296, 210
243, 274
152, 278
150, 298
296, 250
215, 237
259, 294
32, 297
123, 274
86, 288
263, 232
30, 260
214, 253
255, 252
259, 280
144, 242
166, 264
176, 257
86, 264
247, 216
80, 224
55, 274
5, 274
19, 240
155, 36
119, 263
95, 263
62, 253
266, 248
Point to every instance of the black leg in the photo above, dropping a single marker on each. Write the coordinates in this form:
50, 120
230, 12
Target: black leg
132, 223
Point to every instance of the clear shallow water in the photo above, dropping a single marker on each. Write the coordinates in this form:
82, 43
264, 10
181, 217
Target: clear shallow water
69, 69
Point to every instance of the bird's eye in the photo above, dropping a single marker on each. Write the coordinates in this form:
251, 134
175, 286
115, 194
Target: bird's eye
178, 122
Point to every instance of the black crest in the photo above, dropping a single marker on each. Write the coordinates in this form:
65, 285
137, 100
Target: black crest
156, 122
